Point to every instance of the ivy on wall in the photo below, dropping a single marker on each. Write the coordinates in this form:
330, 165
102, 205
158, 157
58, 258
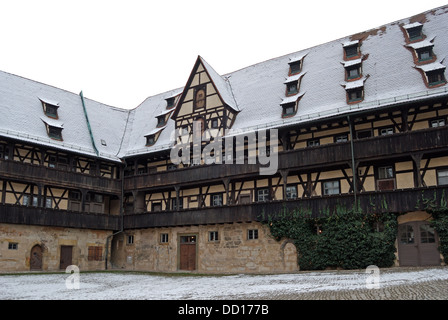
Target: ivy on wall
347, 239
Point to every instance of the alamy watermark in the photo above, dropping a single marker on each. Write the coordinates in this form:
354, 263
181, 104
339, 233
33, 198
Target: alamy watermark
209, 147
72, 281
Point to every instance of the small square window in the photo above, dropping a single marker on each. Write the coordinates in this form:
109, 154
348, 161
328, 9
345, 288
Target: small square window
291, 88
341, 138
424, 54
364, 134
217, 200
51, 111
331, 187
215, 123
252, 234
174, 203
213, 236
385, 172
438, 123
415, 33
442, 177
55, 133
353, 72
150, 140
164, 238
170, 103
436, 77
13, 246
262, 195
355, 95
386, 131
156, 207
161, 121
289, 109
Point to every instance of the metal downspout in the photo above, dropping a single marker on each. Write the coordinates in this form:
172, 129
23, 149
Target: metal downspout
354, 174
88, 124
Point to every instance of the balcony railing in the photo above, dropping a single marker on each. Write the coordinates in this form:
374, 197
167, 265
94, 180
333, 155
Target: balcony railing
55, 177
369, 149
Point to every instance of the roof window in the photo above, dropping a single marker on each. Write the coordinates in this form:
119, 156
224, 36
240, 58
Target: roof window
50, 108
415, 33
351, 49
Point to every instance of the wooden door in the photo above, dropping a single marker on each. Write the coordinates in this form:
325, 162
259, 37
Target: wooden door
36, 258
417, 244
187, 253
66, 257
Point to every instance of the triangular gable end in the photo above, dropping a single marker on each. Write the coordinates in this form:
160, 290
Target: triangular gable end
206, 97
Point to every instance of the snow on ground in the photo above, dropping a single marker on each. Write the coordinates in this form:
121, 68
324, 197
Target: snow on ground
141, 286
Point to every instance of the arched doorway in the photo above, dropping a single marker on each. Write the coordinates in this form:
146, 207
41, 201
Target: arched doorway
418, 244
36, 258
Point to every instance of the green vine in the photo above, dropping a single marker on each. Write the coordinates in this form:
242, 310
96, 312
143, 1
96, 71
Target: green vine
347, 238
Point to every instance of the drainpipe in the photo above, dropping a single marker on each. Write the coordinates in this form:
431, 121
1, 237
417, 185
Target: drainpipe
121, 213
88, 124
354, 174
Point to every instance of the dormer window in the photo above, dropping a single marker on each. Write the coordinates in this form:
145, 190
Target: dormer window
355, 95
289, 109
161, 121
351, 50
54, 132
292, 88
295, 67
353, 72
436, 77
415, 33
424, 54
150, 140
170, 102
50, 108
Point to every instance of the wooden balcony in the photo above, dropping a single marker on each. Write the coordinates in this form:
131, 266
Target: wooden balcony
432, 140
57, 218
397, 201
37, 174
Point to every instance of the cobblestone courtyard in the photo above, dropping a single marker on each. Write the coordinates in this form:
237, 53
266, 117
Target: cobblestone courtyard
394, 284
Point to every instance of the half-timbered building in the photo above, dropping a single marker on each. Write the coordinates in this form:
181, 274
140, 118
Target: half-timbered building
362, 119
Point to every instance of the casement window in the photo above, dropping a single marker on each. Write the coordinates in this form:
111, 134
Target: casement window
95, 253
292, 88
386, 131
295, 67
13, 246
30, 200
4, 152
50, 108
415, 33
213, 236
217, 199
442, 177
437, 123
48, 203
331, 187
199, 97
263, 195
351, 51
355, 95
291, 192
341, 138
424, 54
252, 234
313, 143
386, 178
214, 123
164, 238
130, 239
436, 77
174, 203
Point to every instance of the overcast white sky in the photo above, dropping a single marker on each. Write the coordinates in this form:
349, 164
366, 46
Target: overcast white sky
121, 52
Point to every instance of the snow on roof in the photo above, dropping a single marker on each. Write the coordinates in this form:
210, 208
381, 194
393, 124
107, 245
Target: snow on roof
351, 62
294, 78
48, 101
422, 44
52, 122
412, 25
256, 92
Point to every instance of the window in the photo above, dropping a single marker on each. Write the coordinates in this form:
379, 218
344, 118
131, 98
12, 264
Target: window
437, 123
130, 239
217, 199
291, 192
331, 187
415, 33
289, 109
95, 253
199, 97
262, 195
252, 234
174, 203
30, 200
351, 51
313, 143
215, 123
164, 238
161, 121
442, 177
386, 131
13, 246
150, 140
48, 203
170, 103
341, 138
51, 111
364, 134
4, 152
355, 95
74, 195
55, 133
385, 172
386, 178
436, 77
424, 54
213, 236
353, 72
291, 88
294, 67
427, 234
